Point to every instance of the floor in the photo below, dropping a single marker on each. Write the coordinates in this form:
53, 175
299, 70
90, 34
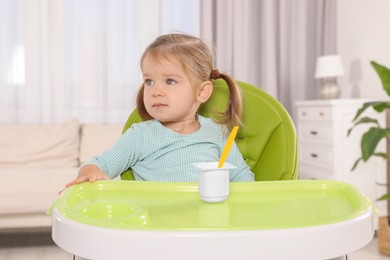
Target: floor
30, 246
39, 245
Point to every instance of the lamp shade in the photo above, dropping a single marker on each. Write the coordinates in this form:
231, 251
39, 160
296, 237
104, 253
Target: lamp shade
329, 66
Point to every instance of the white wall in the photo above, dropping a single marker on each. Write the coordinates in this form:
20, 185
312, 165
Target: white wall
363, 35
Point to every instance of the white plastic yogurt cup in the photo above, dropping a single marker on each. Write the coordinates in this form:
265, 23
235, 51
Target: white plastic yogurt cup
213, 182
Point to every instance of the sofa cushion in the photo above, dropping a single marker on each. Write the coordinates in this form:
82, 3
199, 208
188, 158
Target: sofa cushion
39, 145
32, 190
96, 138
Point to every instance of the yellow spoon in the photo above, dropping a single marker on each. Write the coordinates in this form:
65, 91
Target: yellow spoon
228, 146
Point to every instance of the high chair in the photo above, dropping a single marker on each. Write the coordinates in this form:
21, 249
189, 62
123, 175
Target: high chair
267, 140
265, 219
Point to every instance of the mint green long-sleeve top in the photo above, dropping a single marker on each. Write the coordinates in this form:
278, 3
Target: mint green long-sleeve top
156, 153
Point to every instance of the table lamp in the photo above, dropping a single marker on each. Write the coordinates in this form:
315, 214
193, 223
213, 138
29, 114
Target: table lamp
328, 68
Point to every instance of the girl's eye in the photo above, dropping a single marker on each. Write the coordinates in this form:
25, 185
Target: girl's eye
170, 81
148, 82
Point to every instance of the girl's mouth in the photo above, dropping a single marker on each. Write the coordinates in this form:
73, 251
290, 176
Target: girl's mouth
159, 105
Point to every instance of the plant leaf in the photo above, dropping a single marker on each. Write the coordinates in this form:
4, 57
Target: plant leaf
384, 75
382, 155
371, 139
364, 107
356, 164
383, 184
384, 197
381, 106
363, 120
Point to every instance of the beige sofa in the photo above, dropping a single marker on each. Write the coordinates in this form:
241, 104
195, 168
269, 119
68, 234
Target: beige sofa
36, 161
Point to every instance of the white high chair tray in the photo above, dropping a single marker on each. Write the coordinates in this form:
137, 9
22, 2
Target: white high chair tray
302, 219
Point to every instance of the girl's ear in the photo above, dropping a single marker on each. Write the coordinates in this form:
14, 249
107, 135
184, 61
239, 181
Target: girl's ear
205, 91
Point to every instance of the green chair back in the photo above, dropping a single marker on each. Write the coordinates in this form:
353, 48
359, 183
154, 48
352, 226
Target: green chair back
267, 140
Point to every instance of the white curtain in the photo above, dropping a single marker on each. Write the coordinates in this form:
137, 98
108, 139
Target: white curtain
272, 44
63, 59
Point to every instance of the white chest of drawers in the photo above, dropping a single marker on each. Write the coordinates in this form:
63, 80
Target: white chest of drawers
326, 152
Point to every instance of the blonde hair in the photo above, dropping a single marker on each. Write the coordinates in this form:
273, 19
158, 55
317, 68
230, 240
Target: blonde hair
197, 62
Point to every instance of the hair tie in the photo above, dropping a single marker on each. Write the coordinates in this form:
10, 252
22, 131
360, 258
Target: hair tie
215, 74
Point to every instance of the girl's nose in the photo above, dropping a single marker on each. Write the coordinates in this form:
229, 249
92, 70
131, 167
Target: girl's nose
157, 93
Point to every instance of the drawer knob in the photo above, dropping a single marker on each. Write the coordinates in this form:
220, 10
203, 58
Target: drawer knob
321, 114
313, 155
313, 132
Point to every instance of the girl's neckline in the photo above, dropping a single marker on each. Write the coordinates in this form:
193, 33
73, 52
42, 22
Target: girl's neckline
198, 119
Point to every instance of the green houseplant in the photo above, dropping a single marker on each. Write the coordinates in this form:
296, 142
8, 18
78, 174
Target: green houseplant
376, 132
369, 142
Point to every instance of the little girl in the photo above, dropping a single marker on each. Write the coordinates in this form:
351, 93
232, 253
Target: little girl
177, 73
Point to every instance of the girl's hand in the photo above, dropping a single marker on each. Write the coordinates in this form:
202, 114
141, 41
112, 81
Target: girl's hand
89, 173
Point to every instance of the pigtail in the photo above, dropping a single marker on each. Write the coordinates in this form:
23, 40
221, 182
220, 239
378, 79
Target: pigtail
232, 115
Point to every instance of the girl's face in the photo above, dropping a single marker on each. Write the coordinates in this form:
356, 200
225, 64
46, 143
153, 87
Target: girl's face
169, 96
